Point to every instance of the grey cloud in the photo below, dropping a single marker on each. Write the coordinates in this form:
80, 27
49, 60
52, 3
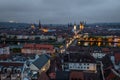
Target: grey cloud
60, 11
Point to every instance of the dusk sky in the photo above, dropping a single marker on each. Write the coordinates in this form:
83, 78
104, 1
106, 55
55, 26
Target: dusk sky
60, 11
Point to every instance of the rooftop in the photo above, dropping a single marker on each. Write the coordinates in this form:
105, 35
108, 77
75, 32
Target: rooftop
38, 46
43, 59
77, 57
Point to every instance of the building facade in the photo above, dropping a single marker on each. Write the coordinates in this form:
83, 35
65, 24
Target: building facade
37, 49
4, 50
80, 66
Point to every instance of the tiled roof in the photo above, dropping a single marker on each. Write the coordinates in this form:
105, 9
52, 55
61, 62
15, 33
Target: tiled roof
43, 76
76, 57
91, 76
117, 57
38, 46
2, 45
7, 64
105, 49
76, 75
4, 56
110, 76
62, 75
41, 61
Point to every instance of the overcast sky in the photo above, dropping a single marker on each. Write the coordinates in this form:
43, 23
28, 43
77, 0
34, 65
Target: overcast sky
60, 11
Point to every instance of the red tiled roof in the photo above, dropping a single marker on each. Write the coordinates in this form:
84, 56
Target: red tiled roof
7, 64
110, 76
2, 45
4, 56
76, 75
52, 75
117, 57
38, 46
105, 49
43, 76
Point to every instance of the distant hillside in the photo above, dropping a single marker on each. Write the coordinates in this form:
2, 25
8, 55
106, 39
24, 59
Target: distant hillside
110, 25
107, 23
13, 25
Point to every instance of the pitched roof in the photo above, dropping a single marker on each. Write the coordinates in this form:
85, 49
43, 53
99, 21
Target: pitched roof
77, 75
7, 64
76, 57
43, 76
62, 75
3, 45
4, 56
117, 57
38, 46
41, 61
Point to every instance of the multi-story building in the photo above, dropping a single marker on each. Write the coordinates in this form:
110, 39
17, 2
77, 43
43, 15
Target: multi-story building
32, 37
79, 62
40, 65
98, 54
11, 70
80, 66
37, 49
4, 49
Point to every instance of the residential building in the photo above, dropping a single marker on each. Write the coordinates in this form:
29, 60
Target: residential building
40, 65
98, 54
76, 75
116, 61
44, 36
4, 49
79, 62
37, 49
11, 70
60, 39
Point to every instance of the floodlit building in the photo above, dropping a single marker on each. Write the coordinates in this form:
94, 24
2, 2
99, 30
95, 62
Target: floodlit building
40, 65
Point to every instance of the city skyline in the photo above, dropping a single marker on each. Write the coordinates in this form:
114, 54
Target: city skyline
61, 12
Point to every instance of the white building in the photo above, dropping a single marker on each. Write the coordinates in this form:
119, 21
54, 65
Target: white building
12, 70
32, 37
4, 50
60, 39
78, 62
98, 55
80, 66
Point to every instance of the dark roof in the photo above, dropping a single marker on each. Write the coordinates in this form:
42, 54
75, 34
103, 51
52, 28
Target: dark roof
4, 56
42, 60
7, 64
91, 76
62, 75
3, 45
117, 57
76, 57
43, 76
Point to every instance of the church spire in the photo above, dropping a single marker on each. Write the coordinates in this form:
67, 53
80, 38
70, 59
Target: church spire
40, 26
81, 26
74, 28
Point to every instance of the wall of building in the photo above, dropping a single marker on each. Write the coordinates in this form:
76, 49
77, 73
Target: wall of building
98, 55
45, 67
81, 66
5, 50
34, 51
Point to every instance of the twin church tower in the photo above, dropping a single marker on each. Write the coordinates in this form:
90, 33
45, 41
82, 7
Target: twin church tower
75, 28
81, 27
